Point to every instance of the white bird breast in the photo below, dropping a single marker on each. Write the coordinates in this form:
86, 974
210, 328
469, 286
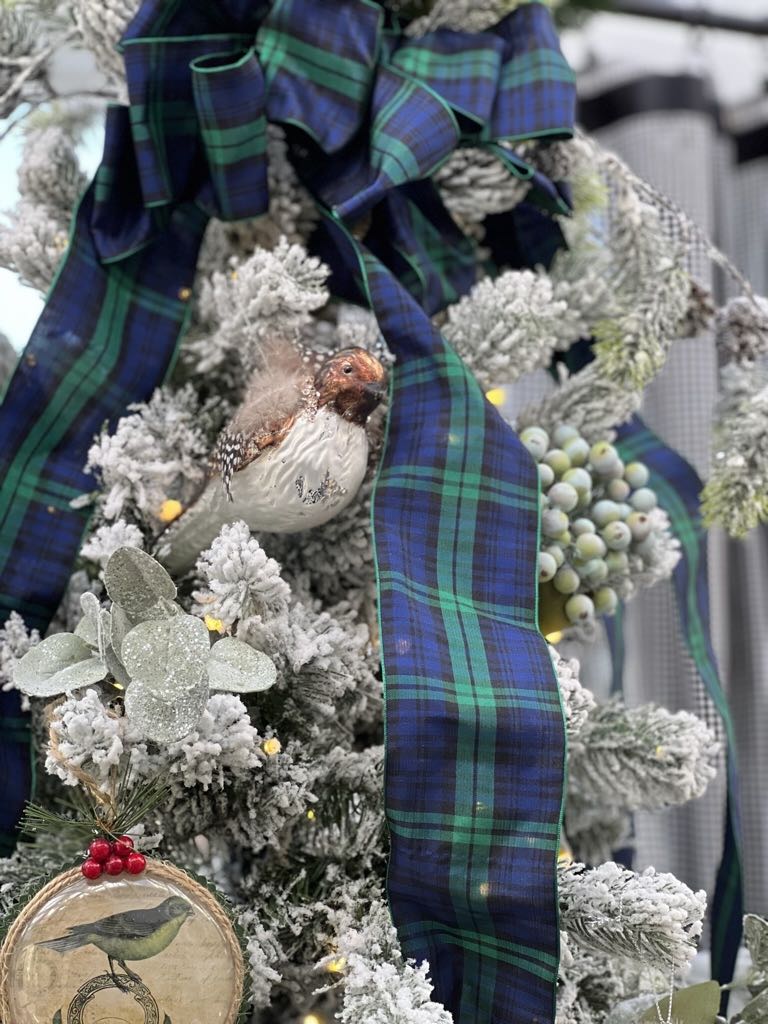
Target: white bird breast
307, 479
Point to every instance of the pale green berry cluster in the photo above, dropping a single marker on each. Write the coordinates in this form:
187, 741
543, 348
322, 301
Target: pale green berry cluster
595, 518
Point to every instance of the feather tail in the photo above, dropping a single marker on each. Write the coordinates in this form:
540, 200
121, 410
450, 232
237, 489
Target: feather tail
65, 943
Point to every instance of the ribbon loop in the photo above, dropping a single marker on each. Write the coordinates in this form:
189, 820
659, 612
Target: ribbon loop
229, 99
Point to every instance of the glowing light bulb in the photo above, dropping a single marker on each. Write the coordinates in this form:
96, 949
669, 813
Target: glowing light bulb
311, 815
170, 510
496, 396
336, 966
214, 625
312, 1018
272, 746
554, 638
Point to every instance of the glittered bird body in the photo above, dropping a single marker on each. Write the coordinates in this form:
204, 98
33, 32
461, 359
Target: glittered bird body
131, 935
292, 457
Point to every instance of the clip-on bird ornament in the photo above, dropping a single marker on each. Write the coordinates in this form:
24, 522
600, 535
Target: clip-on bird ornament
294, 454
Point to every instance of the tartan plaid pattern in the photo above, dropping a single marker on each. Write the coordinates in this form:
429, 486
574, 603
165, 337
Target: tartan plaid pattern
678, 487
474, 726
475, 738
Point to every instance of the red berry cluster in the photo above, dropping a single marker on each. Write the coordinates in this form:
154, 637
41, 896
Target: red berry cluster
114, 858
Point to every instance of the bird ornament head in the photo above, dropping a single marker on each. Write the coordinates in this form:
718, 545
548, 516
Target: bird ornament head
352, 382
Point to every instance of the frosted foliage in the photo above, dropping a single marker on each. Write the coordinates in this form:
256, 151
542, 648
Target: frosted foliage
641, 758
380, 986
222, 746
475, 183
741, 329
15, 641
736, 495
263, 953
651, 917
156, 452
105, 540
594, 832
507, 326
578, 702
463, 15
588, 985
32, 244
242, 581
88, 735
269, 292
101, 23
49, 175
589, 401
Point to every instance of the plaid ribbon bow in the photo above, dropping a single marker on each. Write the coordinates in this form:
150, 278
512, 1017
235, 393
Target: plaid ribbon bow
475, 735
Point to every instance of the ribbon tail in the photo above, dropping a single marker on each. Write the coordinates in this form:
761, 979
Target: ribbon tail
678, 487
106, 338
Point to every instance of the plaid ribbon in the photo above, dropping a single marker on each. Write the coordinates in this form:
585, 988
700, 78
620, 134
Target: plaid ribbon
678, 487
475, 736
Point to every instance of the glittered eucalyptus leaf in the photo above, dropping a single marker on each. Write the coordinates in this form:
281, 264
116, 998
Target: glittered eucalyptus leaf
756, 940
169, 656
136, 582
160, 721
697, 1004
88, 627
234, 666
59, 663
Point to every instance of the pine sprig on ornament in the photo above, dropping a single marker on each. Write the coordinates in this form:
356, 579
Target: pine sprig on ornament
599, 524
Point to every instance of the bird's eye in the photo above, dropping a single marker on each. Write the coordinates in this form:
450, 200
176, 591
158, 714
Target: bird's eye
347, 368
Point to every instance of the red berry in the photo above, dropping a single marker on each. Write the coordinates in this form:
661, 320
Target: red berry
114, 865
91, 869
122, 846
100, 849
135, 863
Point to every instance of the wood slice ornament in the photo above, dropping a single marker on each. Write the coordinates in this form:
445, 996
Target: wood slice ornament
157, 948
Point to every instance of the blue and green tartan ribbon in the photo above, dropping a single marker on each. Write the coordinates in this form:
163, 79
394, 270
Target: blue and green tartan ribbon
475, 734
678, 487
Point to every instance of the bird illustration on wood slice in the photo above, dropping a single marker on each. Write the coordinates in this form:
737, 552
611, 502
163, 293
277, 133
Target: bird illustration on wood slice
294, 454
131, 935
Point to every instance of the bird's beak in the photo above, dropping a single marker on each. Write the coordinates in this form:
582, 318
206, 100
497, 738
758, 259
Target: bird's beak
377, 390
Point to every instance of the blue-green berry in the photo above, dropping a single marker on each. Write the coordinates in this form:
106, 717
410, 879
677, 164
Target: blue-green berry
589, 545
602, 456
617, 562
643, 499
536, 441
604, 512
579, 608
640, 525
595, 571
556, 552
546, 476
580, 479
547, 567
564, 496
558, 460
606, 600
618, 490
566, 580
577, 451
553, 522
617, 535
636, 474
563, 434
582, 525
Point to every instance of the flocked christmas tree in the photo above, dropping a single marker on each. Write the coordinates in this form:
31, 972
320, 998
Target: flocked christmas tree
260, 763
